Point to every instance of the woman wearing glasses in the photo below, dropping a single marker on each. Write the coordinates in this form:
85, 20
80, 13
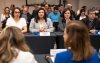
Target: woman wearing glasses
17, 21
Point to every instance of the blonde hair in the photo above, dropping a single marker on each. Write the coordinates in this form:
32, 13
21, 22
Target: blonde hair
11, 38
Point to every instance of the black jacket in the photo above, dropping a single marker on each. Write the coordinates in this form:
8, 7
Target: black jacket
95, 23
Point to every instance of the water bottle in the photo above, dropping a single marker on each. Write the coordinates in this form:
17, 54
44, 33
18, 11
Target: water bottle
96, 32
36, 33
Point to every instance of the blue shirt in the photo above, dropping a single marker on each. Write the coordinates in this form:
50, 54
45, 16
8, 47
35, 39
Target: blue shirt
54, 16
66, 57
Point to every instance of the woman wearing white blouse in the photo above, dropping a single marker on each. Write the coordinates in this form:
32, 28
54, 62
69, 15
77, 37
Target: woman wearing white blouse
82, 15
13, 48
17, 21
41, 23
6, 14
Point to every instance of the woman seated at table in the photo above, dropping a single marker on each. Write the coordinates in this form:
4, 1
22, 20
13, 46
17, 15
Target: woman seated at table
81, 15
66, 17
5, 16
79, 48
13, 48
17, 21
41, 23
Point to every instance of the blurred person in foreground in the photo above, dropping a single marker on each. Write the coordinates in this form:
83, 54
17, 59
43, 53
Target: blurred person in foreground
13, 48
77, 43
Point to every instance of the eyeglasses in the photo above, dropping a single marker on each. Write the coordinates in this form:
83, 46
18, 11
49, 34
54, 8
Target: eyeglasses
16, 12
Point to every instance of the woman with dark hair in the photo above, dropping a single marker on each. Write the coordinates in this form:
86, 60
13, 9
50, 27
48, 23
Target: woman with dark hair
77, 42
66, 17
16, 20
5, 16
13, 48
81, 15
12, 7
41, 23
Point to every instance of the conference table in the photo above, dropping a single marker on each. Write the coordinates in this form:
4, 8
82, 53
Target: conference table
95, 40
41, 45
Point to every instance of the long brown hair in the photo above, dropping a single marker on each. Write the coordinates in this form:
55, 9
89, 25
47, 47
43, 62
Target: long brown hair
37, 16
14, 11
79, 41
5, 10
11, 38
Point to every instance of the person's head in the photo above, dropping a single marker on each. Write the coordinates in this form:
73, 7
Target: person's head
91, 14
77, 37
12, 6
35, 6
25, 9
46, 6
82, 12
66, 14
16, 12
23, 6
84, 7
41, 14
55, 9
69, 6
6, 10
11, 38
61, 7
49, 9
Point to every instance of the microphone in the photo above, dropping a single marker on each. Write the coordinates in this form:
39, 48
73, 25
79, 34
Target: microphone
48, 59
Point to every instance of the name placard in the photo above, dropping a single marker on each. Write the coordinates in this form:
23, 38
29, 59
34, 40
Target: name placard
53, 53
44, 33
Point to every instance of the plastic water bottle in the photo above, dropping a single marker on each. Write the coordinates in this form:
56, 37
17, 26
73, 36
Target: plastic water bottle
36, 33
